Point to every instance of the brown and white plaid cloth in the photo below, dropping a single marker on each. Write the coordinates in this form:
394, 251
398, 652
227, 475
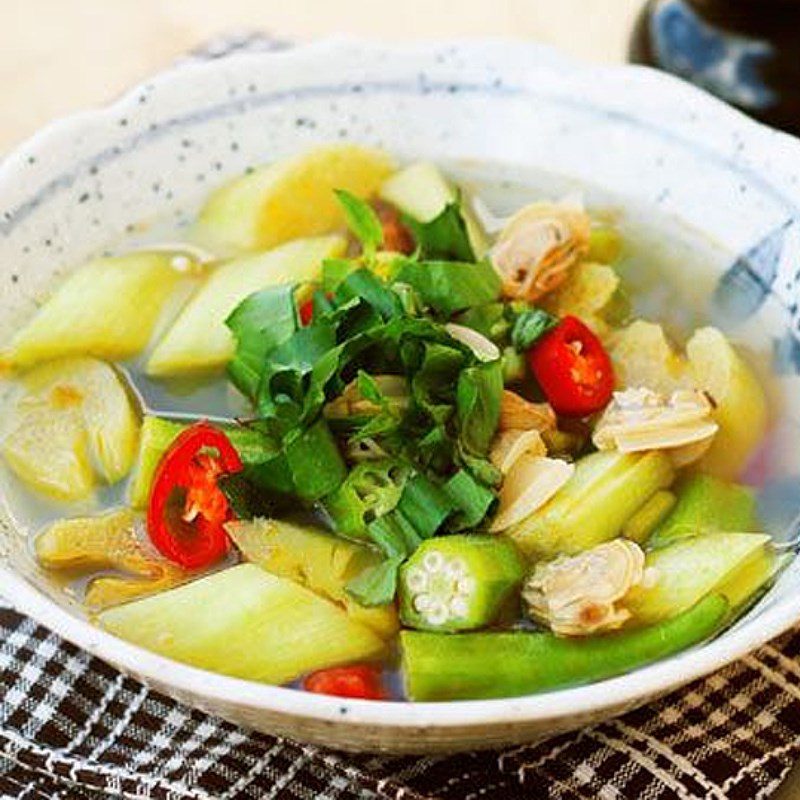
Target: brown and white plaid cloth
73, 728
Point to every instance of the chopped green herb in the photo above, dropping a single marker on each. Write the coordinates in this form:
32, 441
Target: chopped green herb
530, 326
444, 237
361, 220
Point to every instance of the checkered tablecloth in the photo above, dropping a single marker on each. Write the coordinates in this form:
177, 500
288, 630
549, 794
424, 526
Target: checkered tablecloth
73, 728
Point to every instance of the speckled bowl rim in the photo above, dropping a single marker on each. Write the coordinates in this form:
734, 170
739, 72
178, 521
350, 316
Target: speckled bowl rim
625, 690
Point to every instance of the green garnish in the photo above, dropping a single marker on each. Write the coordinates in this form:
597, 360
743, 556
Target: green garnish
361, 220
530, 326
444, 237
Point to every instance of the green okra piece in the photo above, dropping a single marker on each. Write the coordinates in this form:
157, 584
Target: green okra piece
369, 491
475, 666
458, 583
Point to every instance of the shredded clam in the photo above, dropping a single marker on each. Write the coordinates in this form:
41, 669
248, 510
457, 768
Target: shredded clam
584, 594
509, 446
640, 419
528, 485
517, 413
539, 246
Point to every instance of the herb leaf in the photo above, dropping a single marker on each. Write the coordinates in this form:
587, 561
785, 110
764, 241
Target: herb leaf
451, 286
478, 397
259, 323
361, 220
444, 237
376, 586
530, 326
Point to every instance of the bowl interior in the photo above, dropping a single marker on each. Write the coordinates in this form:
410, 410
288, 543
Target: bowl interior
705, 193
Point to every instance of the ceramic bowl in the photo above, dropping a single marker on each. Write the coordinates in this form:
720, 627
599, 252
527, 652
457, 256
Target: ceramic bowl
651, 141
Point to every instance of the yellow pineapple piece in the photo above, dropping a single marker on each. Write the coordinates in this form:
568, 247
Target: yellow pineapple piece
643, 357
198, 339
290, 198
586, 294
741, 406
107, 308
71, 425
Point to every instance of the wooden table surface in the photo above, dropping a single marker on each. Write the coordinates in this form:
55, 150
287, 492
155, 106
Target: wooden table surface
58, 56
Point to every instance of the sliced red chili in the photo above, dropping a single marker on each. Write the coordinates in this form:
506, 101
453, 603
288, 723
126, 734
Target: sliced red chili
358, 680
187, 509
306, 312
573, 369
397, 237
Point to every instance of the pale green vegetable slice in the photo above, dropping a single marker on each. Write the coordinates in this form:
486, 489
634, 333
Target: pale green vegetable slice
734, 565
421, 191
247, 623
291, 198
71, 426
639, 527
322, 562
107, 308
605, 491
198, 339
740, 404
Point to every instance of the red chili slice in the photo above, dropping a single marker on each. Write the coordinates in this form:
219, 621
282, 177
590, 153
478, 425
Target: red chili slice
397, 237
573, 369
306, 312
187, 509
358, 680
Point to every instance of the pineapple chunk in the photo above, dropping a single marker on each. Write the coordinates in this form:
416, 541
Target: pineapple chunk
422, 192
320, 561
108, 308
586, 294
288, 199
741, 407
605, 491
111, 541
72, 425
643, 357
735, 565
198, 339
247, 623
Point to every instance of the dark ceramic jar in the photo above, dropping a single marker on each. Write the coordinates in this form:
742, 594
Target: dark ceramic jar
745, 51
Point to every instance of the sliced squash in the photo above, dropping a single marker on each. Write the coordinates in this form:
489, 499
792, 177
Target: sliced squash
198, 339
71, 426
604, 492
115, 540
741, 406
318, 560
247, 623
291, 198
107, 308
735, 565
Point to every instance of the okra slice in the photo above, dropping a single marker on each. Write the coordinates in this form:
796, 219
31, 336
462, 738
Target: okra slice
458, 583
475, 666
370, 490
